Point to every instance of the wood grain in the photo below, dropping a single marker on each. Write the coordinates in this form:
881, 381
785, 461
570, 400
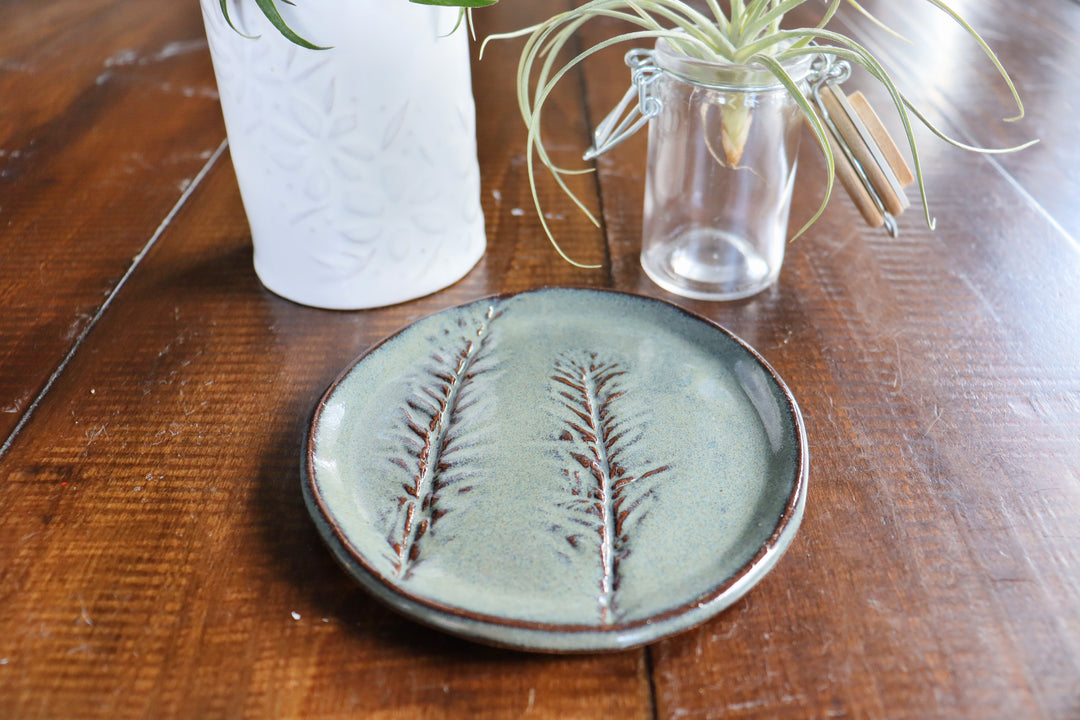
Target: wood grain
156, 557
111, 113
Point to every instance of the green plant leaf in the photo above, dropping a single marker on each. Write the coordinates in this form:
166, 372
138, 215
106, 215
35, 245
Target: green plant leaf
988, 52
270, 10
225, 12
870, 16
815, 124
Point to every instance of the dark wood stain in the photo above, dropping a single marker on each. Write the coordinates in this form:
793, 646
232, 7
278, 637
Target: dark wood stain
934, 574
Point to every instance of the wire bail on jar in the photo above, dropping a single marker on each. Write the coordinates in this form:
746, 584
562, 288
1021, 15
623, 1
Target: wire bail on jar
619, 123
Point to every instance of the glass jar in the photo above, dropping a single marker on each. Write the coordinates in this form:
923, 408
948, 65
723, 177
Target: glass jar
721, 169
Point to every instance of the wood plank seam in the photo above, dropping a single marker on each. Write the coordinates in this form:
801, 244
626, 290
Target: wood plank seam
136, 261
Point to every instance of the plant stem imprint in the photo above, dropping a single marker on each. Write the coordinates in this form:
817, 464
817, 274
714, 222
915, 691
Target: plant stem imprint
609, 502
433, 419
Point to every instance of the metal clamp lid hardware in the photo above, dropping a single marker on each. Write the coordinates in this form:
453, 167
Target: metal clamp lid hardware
619, 124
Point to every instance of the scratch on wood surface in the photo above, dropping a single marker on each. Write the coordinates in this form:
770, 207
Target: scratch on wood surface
735, 707
937, 417
12, 65
898, 381
192, 411
981, 297
532, 700
787, 699
208, 93
93, 435
17, 404
129, 56
729, 633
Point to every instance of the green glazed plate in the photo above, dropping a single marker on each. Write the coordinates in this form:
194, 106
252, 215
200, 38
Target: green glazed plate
558, 470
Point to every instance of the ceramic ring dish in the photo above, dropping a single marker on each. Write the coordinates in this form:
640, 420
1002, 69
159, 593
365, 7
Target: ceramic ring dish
558, 470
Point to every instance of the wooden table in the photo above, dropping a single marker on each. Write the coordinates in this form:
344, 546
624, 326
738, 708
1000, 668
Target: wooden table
156, 557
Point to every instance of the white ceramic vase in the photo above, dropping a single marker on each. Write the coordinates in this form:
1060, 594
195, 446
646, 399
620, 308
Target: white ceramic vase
356, 164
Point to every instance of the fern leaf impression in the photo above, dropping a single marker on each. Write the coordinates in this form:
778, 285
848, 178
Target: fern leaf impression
606, 502
431, 417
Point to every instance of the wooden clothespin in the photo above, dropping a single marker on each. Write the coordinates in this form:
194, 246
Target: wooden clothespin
868, 162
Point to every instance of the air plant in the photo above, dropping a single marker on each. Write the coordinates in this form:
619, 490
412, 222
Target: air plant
748, 33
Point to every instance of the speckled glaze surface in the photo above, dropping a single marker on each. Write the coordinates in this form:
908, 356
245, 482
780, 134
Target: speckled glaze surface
558, 470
